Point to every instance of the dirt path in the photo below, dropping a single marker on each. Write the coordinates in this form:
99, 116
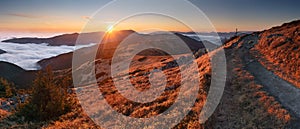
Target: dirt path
250, 91
287, 94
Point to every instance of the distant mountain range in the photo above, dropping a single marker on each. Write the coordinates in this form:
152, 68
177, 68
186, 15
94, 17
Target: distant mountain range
108, 46
94, 37
220, 33
65, 39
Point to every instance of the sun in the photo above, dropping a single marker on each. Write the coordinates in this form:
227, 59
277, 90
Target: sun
110, 29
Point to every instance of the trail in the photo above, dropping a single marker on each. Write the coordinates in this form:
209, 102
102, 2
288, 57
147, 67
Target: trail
286, 93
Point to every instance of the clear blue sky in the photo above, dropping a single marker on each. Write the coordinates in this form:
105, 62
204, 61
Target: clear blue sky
71, 15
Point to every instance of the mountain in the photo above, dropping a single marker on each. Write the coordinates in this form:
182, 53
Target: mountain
65, 39
160, 40
261, 89
56, 62
20, 77
108, 40
64, 61
252, 92
2, 51
108, 46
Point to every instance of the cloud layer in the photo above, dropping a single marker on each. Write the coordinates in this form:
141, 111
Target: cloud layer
27, 55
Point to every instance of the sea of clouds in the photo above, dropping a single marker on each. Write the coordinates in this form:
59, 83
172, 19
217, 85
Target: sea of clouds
27, 55
211, 38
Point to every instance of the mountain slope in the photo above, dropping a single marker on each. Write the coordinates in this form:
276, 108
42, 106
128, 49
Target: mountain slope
280, 49
109, 45
254, 97
258, 91
247, 100
21, 78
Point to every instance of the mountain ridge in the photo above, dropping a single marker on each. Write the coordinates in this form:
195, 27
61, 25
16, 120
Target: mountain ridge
107, 49
20, 77
2, 51
64, 39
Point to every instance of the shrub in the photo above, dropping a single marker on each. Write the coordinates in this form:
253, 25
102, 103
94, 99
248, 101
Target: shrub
6, 88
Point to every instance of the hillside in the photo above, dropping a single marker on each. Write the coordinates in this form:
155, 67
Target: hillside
254, 96
21, 78
108, 46
280, 49
258, 94
166, 41
64, 61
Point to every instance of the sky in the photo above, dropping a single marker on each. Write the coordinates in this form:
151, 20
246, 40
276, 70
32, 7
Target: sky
73, 15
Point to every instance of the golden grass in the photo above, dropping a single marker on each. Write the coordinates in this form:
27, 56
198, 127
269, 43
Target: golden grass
78, 119
245, 104
4, 114
280, 49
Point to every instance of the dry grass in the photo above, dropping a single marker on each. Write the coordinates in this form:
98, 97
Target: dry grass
139, 71
74, 119
245, 104
4, 114
280, 48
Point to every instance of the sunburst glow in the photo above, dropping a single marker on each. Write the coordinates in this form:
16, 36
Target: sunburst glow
110, 29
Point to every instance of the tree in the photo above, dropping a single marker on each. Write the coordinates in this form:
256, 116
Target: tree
48, 98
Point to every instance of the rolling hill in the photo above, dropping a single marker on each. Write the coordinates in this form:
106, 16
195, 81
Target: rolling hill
108, 46
20, 77
255, 94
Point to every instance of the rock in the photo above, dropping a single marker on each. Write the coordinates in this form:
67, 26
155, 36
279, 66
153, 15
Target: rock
11, 104
274, 35
200, 52
23, 98
6, 107
170, 88
3, 103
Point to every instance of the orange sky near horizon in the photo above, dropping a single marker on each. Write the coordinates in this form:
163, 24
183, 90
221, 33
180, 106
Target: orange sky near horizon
79, 25
65, 16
